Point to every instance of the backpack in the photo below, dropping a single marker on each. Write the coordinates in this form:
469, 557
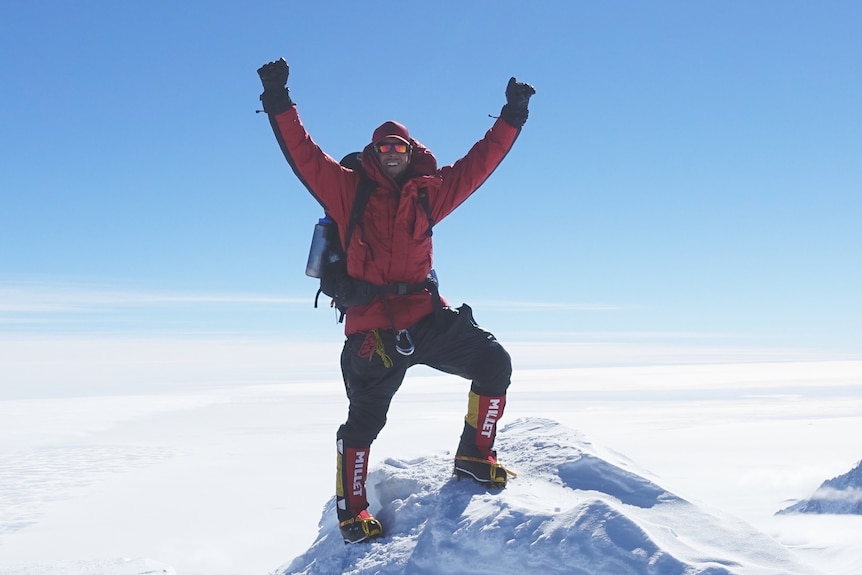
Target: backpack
344, 290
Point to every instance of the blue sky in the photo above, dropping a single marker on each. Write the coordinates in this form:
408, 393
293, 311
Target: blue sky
690, 170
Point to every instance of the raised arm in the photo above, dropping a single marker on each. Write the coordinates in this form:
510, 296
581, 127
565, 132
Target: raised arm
330, 184
465, 176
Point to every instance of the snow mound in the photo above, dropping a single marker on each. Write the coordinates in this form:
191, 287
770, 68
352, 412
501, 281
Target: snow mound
574, 509
840, 495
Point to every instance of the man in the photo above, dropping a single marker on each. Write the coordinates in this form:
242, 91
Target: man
405, 322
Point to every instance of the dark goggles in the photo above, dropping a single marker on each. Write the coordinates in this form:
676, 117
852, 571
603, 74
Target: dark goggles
387, 147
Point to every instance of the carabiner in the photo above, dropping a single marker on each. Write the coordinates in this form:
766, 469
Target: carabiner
398, 346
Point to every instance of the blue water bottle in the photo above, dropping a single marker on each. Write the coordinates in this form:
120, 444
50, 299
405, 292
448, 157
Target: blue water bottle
319, 247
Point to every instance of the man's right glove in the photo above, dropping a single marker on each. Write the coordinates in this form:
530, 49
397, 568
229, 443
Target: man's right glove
275, 97
517, 97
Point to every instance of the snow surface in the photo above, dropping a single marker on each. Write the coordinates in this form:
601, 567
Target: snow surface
574, 509
97, 567
217, 458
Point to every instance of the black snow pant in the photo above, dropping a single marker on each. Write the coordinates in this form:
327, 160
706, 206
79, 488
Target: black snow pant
448, 340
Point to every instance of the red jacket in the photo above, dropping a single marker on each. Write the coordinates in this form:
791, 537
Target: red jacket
394, 244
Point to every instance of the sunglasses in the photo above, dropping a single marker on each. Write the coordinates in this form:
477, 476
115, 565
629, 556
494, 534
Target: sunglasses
387, 147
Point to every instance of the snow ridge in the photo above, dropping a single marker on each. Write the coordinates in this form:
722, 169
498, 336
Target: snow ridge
840, 495
574, 509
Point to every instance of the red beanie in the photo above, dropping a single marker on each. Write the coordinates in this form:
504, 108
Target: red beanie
391, 129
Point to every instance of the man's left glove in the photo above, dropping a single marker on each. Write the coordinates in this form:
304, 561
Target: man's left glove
276, 96
517, 98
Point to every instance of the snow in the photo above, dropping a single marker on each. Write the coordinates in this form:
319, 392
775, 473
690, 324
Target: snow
99, 567
839, 495
571, 511
638, 469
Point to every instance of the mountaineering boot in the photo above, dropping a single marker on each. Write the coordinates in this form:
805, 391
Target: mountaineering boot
484, 471
363, 527
354, 520
476, 458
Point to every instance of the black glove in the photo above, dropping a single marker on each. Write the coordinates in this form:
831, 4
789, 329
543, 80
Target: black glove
517, 97
275, 97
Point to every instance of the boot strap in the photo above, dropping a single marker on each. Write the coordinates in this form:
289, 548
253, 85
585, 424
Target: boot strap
363, 521
493, 465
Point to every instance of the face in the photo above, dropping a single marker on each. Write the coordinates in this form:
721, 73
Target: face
394, 162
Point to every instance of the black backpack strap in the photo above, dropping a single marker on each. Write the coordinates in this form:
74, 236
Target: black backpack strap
363, 193
423, 201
